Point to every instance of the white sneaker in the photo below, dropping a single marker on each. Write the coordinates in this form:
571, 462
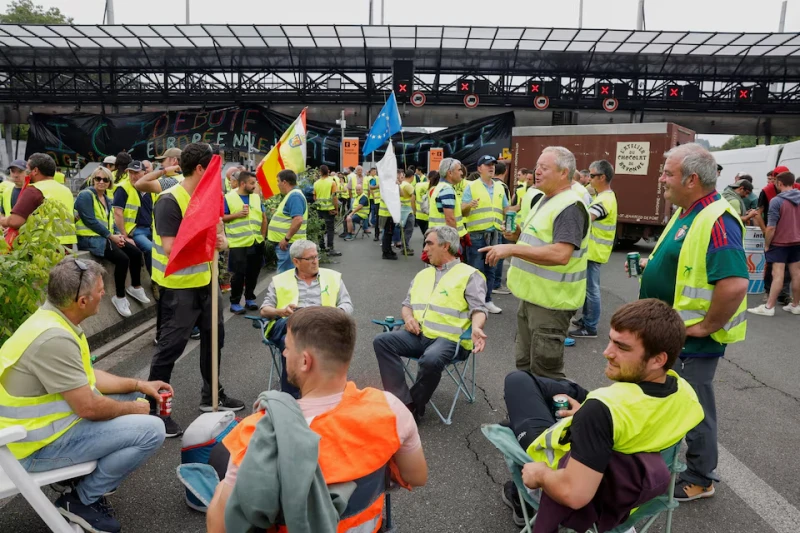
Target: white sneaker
762, 310
138, 294
493, 308
794, 309
122, 306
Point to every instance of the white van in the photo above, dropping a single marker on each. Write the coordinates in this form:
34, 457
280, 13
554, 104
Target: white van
756, 161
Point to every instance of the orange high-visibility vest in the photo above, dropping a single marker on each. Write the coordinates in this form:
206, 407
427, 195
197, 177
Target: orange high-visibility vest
358, 439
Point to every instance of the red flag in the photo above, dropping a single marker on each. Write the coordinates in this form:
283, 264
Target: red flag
197, 235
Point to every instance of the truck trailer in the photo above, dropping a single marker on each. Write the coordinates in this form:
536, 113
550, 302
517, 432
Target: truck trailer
636, 151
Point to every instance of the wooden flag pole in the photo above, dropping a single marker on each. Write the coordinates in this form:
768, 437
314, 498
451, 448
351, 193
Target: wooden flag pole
215, 332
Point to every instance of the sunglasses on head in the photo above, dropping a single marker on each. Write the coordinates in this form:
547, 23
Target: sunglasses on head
104, 180
83, 268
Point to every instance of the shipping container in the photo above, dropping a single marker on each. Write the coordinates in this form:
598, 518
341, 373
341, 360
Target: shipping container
636, 151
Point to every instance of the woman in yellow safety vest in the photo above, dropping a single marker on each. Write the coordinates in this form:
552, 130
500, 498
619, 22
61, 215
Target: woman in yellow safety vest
96, 234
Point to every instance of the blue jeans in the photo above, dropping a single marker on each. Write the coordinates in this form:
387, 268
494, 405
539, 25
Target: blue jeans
143, 237
119, 446
373, 214
591, 306
498, 269
477, 260
284, 259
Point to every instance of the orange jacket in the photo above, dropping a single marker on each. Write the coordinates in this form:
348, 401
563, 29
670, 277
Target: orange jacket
358, 438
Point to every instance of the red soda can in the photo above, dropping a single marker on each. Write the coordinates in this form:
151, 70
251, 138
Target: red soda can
166, 402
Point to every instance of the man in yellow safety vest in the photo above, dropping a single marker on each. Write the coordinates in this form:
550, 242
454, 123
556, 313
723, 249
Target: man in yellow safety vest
699, 268
245, 227
290, 219
69, 412
306, 285
444, 300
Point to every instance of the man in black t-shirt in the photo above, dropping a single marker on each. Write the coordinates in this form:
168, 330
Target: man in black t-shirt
645, 340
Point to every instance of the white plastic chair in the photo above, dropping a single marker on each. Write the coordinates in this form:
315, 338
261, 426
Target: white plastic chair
16, 480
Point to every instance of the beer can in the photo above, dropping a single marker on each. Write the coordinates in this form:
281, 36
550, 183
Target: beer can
511, 221
560, 403
166, 402
634, 268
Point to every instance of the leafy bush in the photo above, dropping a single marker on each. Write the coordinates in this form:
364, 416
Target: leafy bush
24, 270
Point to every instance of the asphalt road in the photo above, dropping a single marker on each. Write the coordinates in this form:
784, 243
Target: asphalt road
758, 394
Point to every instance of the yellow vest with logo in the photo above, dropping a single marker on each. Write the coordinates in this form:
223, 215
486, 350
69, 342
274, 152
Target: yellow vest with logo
641, 423
692, 291
287, 290
552, 287
103, 215
46, 417
488, 214
322, 192
603, 232
442, 311
436, 217
244, 232
187, 278
280, 224
61, 194
420, 190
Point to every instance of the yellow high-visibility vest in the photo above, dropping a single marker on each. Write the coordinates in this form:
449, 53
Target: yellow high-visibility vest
603, 232
244, 232
488, 214
280, 224
102, 214
61, 194
436, 217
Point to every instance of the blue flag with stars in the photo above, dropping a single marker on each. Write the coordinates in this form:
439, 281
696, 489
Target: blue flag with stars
386, 124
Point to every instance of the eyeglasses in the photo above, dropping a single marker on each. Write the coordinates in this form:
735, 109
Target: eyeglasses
596, 175
83, 268
309, 259
104, 180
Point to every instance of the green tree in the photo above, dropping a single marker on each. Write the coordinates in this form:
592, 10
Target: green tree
26, 12
749, 141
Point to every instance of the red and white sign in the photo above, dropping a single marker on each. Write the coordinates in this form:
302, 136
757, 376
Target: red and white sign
541, 103
418, 99
471, 101
610, 104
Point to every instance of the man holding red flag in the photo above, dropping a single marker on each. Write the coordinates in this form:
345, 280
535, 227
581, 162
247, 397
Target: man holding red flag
187, 228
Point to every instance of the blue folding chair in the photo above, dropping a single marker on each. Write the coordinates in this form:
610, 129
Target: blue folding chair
275, 353
463, 361
515, 457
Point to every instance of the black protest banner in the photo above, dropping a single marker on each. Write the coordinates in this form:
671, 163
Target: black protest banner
238, 129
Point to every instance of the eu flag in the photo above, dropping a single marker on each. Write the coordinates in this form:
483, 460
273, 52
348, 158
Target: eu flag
386, 124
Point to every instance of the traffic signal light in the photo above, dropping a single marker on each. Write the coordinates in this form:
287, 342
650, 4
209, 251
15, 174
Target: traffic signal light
550, 89
465, 86
604, 90
691, 93
673, 92
621, 91
402, 88
760, 94
403, 79
742, 94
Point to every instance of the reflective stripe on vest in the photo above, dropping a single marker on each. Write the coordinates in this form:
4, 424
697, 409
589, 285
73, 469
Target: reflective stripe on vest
287, 290
189, 277
693, 293
47, 417
244, 232
436, 217
358, 439
132, 205
280, 224
488, 214
641, 423
52, 190
102, 216
552, 287
440, 308
323, 194
603, 232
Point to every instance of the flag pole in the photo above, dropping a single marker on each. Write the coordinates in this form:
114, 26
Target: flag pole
215, 331
402, 232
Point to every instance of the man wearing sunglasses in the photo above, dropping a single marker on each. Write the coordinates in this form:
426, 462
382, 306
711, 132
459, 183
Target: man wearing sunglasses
72, 412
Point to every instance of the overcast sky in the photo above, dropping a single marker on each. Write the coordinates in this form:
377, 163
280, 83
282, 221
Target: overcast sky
696, 15
716, 15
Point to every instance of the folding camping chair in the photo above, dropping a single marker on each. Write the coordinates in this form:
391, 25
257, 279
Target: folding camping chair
505, 441
457, 369
275, 353
16, 480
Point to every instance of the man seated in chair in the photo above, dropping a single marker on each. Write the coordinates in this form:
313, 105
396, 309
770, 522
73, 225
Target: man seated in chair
306, 285
73, 413
444, 299
377, 429
358, 215
648, 408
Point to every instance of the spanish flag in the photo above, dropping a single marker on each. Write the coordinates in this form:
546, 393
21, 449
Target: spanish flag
290, 152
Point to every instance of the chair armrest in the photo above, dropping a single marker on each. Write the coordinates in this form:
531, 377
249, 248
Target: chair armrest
12, 434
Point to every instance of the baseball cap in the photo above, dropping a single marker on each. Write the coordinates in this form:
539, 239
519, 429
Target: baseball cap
136, 166
110, 160
18, 163
171, 152
778, 170
487, 160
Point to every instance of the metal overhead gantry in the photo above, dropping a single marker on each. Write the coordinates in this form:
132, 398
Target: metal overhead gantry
338, 64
